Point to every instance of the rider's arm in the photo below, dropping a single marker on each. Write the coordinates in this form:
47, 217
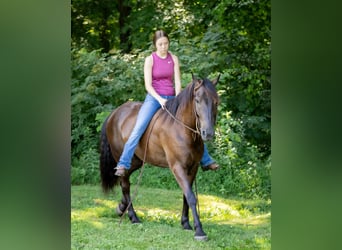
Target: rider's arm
177, 76
148, 81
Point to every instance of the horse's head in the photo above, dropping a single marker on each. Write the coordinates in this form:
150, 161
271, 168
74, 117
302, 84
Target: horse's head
206, 101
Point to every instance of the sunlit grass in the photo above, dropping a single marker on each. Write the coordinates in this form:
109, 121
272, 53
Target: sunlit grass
229, 223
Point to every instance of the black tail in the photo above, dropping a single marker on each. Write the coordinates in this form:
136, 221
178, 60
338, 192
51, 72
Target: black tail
107, 163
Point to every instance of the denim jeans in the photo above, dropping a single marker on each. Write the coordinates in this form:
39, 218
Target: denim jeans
146, 112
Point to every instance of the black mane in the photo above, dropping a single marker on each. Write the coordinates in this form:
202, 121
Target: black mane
210, 88
187, 94
181, 100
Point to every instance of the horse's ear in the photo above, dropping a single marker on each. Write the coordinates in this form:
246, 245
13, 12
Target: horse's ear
194, 79
216, 80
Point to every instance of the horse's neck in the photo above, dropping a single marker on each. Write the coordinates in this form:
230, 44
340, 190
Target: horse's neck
187, 116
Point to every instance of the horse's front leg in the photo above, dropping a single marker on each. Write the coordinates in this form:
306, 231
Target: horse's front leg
192, 201
185, 215
126, 200
184, 182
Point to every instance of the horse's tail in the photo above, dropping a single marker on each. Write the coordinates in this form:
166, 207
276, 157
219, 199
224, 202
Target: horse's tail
107, 162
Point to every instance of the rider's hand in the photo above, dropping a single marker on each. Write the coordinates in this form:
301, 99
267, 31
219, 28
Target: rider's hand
162, 102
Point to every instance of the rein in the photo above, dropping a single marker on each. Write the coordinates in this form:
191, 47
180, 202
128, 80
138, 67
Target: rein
196, 132
179, 121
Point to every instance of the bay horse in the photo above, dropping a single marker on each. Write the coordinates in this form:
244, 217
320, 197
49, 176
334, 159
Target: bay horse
173, 139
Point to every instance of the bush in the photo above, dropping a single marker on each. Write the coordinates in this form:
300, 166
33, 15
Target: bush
244, 172
100, 82
85, 170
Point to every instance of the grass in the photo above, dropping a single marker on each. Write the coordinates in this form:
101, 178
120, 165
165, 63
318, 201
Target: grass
229, 223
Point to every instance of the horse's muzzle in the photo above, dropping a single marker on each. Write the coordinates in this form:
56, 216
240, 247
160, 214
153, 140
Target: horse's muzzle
207, 135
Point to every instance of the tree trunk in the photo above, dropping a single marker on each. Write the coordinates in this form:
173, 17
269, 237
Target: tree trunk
124, 10
104, 34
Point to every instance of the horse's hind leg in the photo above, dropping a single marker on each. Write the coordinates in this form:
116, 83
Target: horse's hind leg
121, 208
126, 200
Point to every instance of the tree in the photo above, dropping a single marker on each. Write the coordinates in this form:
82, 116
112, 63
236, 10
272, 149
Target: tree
124, 12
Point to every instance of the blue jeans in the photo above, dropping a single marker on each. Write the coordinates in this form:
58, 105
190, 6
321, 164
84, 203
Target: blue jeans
146, 112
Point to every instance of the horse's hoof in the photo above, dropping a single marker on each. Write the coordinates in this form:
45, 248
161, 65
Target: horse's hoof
118, 211
202, 238
186, 226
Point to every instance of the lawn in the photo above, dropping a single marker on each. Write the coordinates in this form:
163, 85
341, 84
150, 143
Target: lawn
229, 223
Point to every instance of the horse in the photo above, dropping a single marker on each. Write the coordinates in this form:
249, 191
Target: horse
173, 139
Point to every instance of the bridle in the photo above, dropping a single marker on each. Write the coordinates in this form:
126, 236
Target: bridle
197, 131
179, 121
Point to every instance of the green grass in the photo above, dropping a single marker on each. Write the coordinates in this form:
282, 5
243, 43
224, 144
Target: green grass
229, 223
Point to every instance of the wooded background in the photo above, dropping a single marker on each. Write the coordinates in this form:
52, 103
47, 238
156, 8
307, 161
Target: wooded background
110, 40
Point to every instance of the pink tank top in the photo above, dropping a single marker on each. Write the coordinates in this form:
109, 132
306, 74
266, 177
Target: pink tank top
162, 75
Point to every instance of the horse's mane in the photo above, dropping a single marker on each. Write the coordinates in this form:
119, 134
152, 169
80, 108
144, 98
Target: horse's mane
182, 99
187, 94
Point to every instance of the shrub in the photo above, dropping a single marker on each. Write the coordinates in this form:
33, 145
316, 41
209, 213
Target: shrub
100, 82
85, 170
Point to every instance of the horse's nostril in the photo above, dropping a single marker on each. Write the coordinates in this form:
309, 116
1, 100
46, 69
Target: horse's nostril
207, 135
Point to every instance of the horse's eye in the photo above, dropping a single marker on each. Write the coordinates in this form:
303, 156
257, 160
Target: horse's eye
196, 100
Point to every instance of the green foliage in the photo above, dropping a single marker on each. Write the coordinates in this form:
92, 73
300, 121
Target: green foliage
85, 169
100, 118
243, 171
93, 24
99, 84
242, 42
